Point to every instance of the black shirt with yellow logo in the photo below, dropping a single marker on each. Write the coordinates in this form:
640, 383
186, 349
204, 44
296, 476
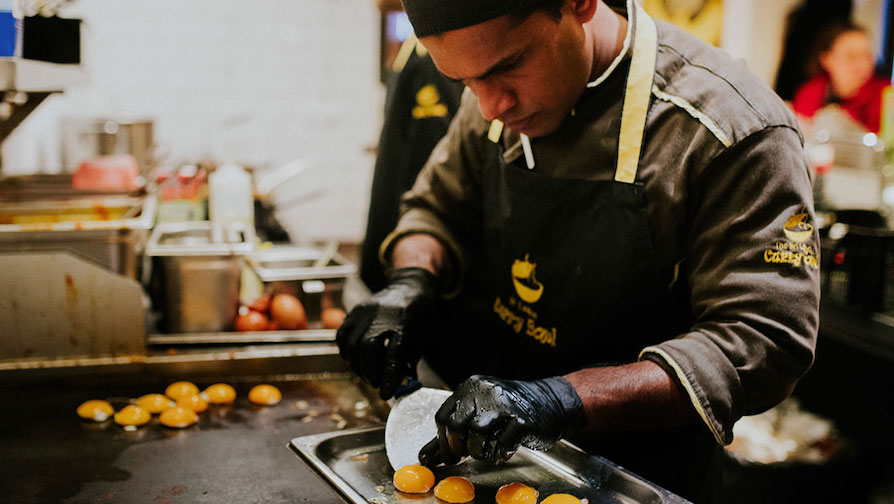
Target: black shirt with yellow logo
420, 104
729, 206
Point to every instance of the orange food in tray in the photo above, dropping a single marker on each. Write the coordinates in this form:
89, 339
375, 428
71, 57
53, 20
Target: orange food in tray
415, 479
455, 490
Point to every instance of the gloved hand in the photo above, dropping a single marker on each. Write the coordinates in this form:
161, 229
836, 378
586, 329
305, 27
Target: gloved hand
488, 418
377, 336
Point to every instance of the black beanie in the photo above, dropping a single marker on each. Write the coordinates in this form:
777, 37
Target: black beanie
432, 17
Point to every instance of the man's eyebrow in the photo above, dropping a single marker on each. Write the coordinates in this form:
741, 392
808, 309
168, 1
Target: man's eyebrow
497, 67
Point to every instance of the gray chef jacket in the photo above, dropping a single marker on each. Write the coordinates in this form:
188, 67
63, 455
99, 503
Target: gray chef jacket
729, 203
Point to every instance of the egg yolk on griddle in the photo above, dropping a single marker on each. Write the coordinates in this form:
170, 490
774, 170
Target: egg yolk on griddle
455, 490
414, 479
178, 418
96, 410
155, 403
132, 415
561, 498
516, 493
220, 393
194, 402
180, 389
265, 395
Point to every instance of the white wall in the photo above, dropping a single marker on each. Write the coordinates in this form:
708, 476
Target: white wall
754, 30
263, 82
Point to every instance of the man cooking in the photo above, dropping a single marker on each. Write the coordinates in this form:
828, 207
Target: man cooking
612, 244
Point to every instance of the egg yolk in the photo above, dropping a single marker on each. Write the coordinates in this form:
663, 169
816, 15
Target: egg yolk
220, 393
132, 415
561, 498
178, 418
193, 402
516, 493
265, 395
414, 479
155, 403
180, 389
455, 490
98, 411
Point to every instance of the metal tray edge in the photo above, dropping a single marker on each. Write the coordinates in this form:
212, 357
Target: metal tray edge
305, 446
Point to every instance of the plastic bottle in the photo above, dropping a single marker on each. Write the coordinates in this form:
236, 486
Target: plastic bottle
230, 196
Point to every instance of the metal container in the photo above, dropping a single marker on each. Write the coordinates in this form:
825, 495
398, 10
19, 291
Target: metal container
55, 305
197, 266
84, 139
43, 186
355, 464
315, 276
108, 230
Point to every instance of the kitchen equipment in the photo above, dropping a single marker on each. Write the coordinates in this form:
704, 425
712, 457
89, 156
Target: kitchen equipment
411, 424
855, 160
230, 196
355, 464
85, 139
55, 304
316, 276
108, 230
858, 266
236, 453
196, 270
52, 187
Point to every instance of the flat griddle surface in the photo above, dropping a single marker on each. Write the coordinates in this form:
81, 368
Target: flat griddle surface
234, 454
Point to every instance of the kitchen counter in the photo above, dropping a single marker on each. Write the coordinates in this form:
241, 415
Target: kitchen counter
235, 453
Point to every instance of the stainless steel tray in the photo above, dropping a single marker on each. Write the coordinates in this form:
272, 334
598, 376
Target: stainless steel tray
291, 262
109, 231
43, 187
355, 464
217, 338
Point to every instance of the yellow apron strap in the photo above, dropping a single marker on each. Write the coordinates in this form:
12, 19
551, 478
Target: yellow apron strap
406, 50
637, 95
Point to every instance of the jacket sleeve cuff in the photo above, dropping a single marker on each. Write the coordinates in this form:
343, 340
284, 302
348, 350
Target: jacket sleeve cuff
695, 366
416, 221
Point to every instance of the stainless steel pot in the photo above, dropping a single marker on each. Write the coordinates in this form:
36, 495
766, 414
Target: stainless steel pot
199, 266
84, 139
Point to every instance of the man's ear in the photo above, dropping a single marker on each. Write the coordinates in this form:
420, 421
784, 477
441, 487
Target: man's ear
584, 10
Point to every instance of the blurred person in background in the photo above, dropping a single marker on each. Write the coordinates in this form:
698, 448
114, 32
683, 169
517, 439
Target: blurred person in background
701, 18
419, 105
843, 71
804, 22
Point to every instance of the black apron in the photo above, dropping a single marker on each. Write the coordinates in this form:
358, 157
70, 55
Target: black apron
571, 280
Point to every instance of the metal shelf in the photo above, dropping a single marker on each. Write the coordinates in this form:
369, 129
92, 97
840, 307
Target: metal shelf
17, 74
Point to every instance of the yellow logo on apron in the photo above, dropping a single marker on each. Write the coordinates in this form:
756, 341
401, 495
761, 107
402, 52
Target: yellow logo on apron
520, 317
526, 285
427, 100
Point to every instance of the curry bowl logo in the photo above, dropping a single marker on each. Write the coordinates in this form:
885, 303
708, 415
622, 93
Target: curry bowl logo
797, 229
526, 285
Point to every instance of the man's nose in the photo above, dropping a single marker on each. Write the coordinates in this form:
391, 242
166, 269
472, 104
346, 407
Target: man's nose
493, 100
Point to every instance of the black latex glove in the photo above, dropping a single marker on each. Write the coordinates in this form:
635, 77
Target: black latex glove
377, 336
488, 418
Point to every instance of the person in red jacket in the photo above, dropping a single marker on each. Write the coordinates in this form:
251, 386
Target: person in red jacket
844, 75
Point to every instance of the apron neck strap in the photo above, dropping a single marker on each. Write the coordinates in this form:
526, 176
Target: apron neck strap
637, 94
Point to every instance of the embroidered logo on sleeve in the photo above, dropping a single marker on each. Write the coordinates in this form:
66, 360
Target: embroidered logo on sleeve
797, 248
427, 104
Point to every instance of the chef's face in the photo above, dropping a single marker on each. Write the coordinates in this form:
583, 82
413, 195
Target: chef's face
526, 73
